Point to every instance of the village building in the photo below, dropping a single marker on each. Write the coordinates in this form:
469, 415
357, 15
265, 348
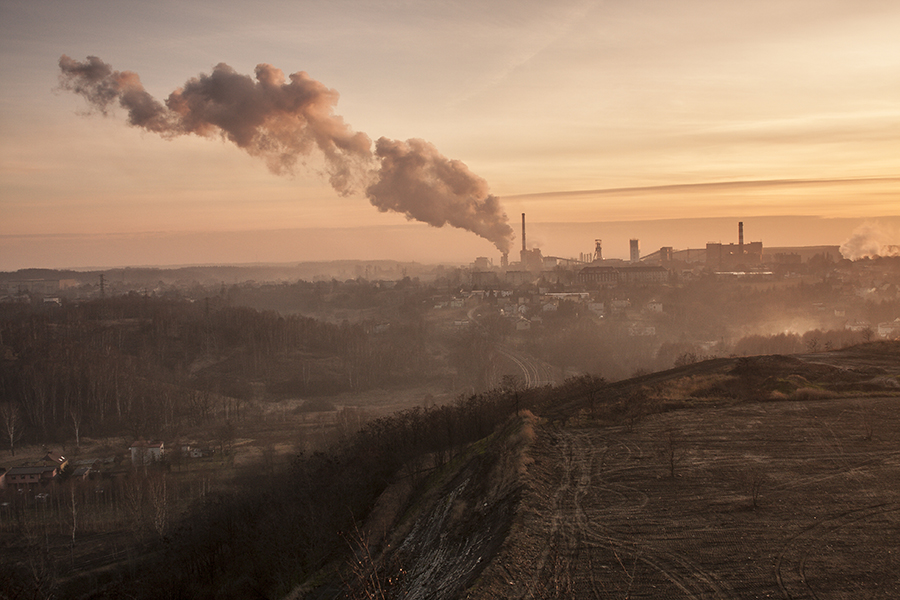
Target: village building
145, 453
21, 478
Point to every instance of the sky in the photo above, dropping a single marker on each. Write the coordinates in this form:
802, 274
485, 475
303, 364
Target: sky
680, 118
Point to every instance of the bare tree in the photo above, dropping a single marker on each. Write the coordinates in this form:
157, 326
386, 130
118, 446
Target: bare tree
12, 423
73, 505
367, 582
669, 450
76, 416
159, 502
512, 385
591, 386
812, 345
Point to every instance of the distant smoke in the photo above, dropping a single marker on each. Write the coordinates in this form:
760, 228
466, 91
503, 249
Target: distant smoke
281, 121
868, 241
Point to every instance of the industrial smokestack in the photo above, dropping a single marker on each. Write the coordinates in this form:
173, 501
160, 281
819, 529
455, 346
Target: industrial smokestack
741, 234
523, 232
283, 119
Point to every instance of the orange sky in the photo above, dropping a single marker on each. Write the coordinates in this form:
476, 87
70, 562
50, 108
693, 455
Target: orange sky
572, 112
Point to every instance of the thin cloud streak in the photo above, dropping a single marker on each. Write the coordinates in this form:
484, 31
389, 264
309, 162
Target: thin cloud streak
706, 186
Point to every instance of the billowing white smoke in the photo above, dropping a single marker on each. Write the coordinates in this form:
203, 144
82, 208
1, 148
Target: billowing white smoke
282, 119
870, 240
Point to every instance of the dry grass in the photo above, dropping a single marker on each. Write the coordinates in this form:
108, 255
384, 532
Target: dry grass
809, 393
693, 387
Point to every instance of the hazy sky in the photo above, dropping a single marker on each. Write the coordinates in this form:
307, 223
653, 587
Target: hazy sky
571, 111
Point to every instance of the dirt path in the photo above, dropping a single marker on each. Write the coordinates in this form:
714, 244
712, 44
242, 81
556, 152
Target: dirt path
604, 518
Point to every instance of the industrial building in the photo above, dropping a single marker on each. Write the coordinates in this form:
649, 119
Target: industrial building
591, 269
728, 256
627, 275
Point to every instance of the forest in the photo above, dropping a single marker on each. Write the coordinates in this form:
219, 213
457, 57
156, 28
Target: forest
142, 365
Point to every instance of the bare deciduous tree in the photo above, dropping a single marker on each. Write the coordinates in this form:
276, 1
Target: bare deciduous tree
812, 345
75, 415
670, 451
159, 502
512, 385
12, 423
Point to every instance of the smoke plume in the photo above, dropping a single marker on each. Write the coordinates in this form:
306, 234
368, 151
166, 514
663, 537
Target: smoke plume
416, 180
283, 120
870, 240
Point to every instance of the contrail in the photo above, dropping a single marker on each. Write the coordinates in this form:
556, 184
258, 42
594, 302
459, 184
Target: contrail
283, 119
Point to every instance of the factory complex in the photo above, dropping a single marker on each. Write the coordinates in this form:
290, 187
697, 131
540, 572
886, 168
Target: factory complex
591, 270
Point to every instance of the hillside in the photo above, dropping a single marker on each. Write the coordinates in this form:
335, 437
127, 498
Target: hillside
762, 477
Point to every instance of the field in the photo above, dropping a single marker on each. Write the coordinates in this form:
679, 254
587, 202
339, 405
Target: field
774, 499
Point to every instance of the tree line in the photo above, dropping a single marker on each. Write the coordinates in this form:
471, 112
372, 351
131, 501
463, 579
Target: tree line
142, 364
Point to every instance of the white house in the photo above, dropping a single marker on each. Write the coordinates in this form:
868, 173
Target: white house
889, 330
655, 306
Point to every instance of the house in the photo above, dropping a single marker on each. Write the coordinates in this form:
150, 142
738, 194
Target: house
56, 459
638, 330
889, 330
655, 306
601, 276
189, 451
30, 477
144, 453
81, 473
93, 463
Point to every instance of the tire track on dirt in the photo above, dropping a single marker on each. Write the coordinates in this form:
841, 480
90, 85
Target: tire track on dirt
562, 454
574, 537
790, 566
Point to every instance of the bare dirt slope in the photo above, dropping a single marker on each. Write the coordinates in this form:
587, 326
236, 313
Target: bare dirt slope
602, 515
762, 477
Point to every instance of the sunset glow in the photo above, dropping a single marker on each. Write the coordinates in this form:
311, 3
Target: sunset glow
575, 113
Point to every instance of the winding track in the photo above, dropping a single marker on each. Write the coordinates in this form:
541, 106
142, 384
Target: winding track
578, 535
790, 567
609, 521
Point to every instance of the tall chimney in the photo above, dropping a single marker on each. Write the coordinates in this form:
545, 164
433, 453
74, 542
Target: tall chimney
741, 238
523, 232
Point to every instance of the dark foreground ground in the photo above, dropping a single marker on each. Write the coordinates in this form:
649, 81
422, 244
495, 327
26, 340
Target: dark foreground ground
774, 499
